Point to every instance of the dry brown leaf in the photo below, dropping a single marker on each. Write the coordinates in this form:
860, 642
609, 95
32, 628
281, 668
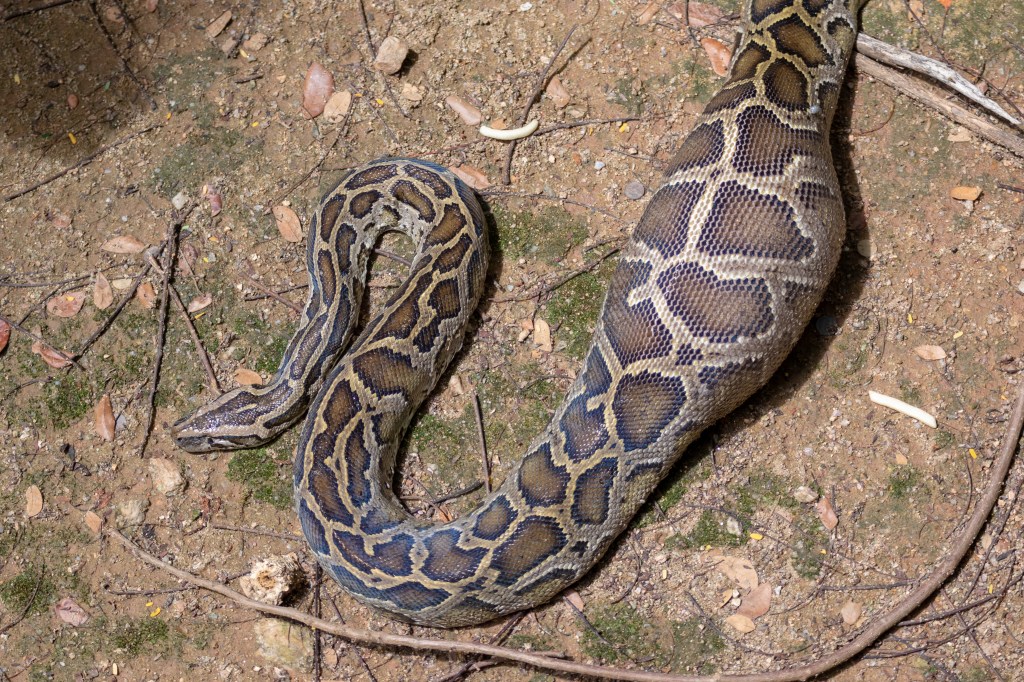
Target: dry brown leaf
50, 355
337, 106
102, 294
247, 377
575, 599
850, 612
756, 602
66, 305
70, 612
5, 334
930, 352
557, 92
469, 114
719, 54
146, 293
542, 335
33, 501
199, 302
648, 13
740, 623
218, 25
965, 193
474, 177
738, 569
125, 243
317, 89
288, 223
103, 418
826, 513
94, 521
702, 14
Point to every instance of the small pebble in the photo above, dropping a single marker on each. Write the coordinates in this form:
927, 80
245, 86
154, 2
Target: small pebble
391, 55
1020, 287
598, 165
179, 201
166, 475
635, 189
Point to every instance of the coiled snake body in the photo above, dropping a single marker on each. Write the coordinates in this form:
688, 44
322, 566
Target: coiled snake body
722, 274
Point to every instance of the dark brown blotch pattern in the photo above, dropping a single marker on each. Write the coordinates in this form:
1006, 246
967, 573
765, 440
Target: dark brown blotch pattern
542, 482
535, 539
746, 222
446, 561
719, 310
661, 396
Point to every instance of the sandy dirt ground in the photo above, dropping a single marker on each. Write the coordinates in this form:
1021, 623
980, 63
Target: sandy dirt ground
158, 108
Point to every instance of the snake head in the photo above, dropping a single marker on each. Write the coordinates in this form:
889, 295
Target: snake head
224, 424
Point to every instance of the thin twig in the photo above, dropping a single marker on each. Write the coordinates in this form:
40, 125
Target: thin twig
64, 356
28, 605
13, 14
565, 279
204, 358
170, 257
930, 97
256, 531
483, 442
59, 174
540, 195
274, 295
506, 177
124, 62
129, 295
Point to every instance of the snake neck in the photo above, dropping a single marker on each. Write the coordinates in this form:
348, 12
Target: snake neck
722, 274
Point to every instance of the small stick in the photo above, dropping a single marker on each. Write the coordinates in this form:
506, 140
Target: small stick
204, 358
541, 195
930, 97
34, 285
318, 576
14, 325
257, 531
507, 173
589, 122
483, 441
28, 606
120, 306
13, 14
565, 279
59, 174
274, 295
124, 62
170, 256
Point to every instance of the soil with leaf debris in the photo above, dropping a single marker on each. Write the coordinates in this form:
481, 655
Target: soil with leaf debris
837, 504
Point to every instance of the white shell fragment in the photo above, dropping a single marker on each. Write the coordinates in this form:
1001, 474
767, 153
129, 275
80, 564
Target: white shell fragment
511, 134
900, 406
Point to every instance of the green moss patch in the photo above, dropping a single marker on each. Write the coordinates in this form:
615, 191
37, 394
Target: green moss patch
260, 473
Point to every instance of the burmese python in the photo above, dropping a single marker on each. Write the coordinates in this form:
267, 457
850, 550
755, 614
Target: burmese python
722, 274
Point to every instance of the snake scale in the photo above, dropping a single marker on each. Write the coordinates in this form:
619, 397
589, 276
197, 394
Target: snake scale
720, 277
